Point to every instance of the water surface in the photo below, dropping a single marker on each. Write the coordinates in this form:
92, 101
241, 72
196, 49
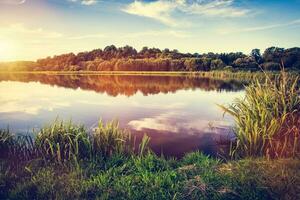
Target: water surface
179, 113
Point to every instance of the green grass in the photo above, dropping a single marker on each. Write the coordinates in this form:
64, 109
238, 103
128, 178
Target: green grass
195, 176
268, 118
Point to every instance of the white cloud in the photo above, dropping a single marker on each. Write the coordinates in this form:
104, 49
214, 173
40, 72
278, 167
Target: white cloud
158, 10
85, 2
151, 33
164, 10
258, 28
20, 28
12, 2
39, 33
219, 8
88, 36
173, 33
88, 2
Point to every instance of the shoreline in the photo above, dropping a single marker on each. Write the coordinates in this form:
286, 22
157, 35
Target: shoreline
205, 74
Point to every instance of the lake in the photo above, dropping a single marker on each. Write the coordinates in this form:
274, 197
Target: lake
178, 113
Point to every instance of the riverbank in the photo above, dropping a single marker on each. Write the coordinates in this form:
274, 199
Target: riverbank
195, 176
220, 74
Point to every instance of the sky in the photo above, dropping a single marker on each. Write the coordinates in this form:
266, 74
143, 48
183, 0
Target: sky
32, 29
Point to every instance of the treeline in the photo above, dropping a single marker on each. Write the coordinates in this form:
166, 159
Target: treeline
127, 58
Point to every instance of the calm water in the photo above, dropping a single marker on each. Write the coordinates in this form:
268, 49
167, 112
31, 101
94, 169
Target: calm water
179, 113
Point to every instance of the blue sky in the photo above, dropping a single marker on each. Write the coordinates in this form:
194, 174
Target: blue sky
30, 29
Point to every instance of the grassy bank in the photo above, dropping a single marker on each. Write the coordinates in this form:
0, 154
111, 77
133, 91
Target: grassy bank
149, 177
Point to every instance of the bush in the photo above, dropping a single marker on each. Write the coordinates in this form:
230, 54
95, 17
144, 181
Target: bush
228, 68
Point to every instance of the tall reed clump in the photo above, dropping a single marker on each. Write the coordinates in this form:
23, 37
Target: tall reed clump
109, 139
19, 147
268, 119
6, 141
62, 142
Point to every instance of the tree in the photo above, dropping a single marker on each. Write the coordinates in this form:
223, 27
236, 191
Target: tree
291, 57
217, 64
255, 53
273, 54
246, 63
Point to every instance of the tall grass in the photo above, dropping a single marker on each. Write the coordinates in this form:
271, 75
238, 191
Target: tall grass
109, 139
6, 141
20, 147
62, 142
268, 118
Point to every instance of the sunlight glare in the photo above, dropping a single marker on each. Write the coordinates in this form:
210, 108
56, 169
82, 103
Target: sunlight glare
7, 50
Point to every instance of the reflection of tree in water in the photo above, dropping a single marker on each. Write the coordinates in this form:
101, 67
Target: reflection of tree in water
128, 85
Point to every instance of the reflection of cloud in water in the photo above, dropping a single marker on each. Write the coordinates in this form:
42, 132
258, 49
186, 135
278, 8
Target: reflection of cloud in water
136, 104
15, 106
102, 103
15, 99
28, 108
179, 122
177, 105
163, 122
214, 126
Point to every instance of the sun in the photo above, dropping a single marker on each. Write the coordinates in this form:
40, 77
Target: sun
7, 50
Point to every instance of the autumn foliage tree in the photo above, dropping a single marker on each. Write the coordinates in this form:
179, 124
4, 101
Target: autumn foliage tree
127, 58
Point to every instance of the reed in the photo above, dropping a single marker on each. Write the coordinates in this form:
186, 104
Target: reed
65, 142
6, 141
62, 141
109, 139
267, 119
17, 147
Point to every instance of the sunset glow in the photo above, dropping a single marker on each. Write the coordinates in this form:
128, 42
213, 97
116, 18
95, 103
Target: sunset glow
32, 29
7, 50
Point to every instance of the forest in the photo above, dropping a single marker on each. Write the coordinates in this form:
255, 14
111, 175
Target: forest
128, 58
